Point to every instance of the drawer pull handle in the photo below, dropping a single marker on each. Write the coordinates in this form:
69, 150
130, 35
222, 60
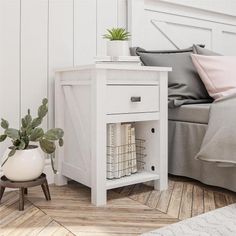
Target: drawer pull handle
135, 99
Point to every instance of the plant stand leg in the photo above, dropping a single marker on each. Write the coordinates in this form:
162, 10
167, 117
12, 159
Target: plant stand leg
21, 199
46, 191
1, 192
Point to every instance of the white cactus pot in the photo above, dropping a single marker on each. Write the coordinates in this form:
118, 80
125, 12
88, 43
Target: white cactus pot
25, 165
117, 48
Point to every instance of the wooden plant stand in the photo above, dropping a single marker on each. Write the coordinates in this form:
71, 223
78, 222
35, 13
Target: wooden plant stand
23, 186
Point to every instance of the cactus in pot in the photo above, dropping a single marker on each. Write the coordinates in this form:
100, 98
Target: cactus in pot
23, 161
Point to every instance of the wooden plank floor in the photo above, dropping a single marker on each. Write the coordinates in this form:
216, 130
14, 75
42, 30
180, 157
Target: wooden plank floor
131, 210
184, 198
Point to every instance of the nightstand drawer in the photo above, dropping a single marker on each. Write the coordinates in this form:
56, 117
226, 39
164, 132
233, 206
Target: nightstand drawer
132, 99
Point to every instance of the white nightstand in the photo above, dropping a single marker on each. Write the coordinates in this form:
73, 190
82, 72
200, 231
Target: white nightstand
90, 97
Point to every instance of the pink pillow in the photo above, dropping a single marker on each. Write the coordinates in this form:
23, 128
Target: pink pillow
218, 73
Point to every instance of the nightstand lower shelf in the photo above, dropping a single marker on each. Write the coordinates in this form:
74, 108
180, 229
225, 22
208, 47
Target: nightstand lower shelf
136, 178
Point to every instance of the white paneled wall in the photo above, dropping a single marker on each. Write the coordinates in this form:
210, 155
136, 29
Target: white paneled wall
10, 68
40, 35
84, 31
60, 43
33, 53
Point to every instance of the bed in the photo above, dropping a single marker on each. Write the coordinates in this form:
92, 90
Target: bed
187, 127
188, 122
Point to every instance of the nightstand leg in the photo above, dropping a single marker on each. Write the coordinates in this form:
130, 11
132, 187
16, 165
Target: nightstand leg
99, 139
161, 184
99, 197
163, 133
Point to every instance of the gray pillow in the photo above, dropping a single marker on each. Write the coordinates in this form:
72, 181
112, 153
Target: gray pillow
184, 83
203, 51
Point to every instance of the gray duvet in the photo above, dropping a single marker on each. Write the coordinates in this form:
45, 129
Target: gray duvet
219, 143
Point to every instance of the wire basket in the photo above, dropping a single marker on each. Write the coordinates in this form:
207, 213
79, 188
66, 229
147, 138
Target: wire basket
125, 160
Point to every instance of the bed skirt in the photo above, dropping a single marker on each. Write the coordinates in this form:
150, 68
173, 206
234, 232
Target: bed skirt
184, 142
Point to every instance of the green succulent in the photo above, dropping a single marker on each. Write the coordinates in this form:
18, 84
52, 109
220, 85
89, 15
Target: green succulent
31, 132
117, 34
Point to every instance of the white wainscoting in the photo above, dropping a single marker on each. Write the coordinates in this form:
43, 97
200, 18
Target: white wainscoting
40, 35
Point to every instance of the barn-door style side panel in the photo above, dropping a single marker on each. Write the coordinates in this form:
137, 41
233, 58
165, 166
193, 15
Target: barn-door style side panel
73, 112
78, 128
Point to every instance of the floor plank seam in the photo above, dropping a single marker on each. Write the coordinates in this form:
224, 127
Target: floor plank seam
181, 201
169, 216
147, 199
169, 198
156, 204
192, 204
25, 212
203, 200
10, 204
45, 225
51, 218
130, 190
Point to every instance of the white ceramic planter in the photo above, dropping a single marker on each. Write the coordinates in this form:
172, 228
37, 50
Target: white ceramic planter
25, 165
117, 48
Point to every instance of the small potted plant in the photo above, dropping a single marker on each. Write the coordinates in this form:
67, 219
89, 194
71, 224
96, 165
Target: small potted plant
23, 161
118, 44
